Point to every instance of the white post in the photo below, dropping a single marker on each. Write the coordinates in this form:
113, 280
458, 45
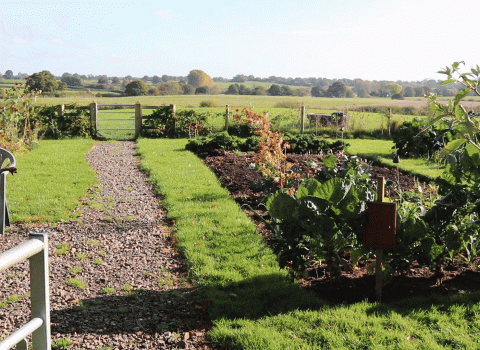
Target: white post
227, 116
39, 293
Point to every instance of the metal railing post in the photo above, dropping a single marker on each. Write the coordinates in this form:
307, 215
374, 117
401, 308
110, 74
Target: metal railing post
3, 202
39, 293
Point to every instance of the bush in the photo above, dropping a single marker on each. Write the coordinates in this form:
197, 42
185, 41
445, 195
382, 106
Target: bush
74, 122
397, 97
208, 103
186, 123
308, 143
414, 139
224, 141
136, 88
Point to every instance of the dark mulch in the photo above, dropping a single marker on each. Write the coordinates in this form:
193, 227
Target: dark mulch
354, 284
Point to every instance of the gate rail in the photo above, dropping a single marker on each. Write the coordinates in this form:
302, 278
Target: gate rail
36, 249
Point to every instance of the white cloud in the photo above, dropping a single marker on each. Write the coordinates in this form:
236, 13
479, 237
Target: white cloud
58, 41
115, 55
20, 41
165, 14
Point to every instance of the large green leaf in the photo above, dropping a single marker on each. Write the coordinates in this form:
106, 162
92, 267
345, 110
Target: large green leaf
330, 162
449, 81
308, 188
474, 153
331, 190
452, 146
461, 94
281, 205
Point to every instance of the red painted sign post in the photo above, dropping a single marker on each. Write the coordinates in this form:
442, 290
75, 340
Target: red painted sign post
380, 231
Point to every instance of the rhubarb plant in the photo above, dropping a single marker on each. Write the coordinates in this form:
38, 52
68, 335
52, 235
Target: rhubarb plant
322, 218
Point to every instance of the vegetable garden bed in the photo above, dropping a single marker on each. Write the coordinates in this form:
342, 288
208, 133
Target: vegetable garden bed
356, 283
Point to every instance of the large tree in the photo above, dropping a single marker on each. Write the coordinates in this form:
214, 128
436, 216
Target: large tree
198, 78
71, 80
8, 75
136, 88
44, 81
170, 88
337, 89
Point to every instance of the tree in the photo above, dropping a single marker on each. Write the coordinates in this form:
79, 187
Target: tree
409, 91
393, 88
202, 90
337, 89
233, 89
170, 88
260, 90
317, 91
419, 92
275, 90
156, 79
239, 78
8, 75
43, 81
198, 78
188, 89
71, 80
286, 90
103, 79
136, 88
116, 80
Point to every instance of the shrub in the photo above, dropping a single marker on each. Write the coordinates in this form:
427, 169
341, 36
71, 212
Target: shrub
136, 88
74, 121
397, 97
414, 139
308, 143
209, 103
185, 123
222, 140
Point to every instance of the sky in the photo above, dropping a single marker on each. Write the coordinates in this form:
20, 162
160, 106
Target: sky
408, 40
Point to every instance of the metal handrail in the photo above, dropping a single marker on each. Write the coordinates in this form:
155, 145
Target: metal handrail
36, 250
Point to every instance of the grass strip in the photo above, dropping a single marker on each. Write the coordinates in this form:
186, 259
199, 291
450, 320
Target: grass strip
226, 256
49, 181
381, 151
254, 306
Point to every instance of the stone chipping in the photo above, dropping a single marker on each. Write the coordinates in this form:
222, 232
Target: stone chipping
137, 294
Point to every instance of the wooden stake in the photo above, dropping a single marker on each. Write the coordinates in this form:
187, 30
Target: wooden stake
227, 116
379, 252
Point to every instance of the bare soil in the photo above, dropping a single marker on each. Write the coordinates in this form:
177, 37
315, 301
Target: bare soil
355, 283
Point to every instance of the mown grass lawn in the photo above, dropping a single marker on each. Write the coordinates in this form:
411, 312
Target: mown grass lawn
254, 305
50, 180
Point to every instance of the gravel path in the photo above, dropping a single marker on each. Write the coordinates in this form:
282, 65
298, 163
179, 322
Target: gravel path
137, 294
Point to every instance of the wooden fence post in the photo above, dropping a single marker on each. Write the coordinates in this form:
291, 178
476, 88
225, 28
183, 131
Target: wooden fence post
173, 108
227, 116
61, 110
138, 120
93, 118
302, 118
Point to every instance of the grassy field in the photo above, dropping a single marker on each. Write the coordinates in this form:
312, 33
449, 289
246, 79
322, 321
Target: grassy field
235, 101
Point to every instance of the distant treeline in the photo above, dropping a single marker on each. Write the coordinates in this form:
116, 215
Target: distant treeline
242, 85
